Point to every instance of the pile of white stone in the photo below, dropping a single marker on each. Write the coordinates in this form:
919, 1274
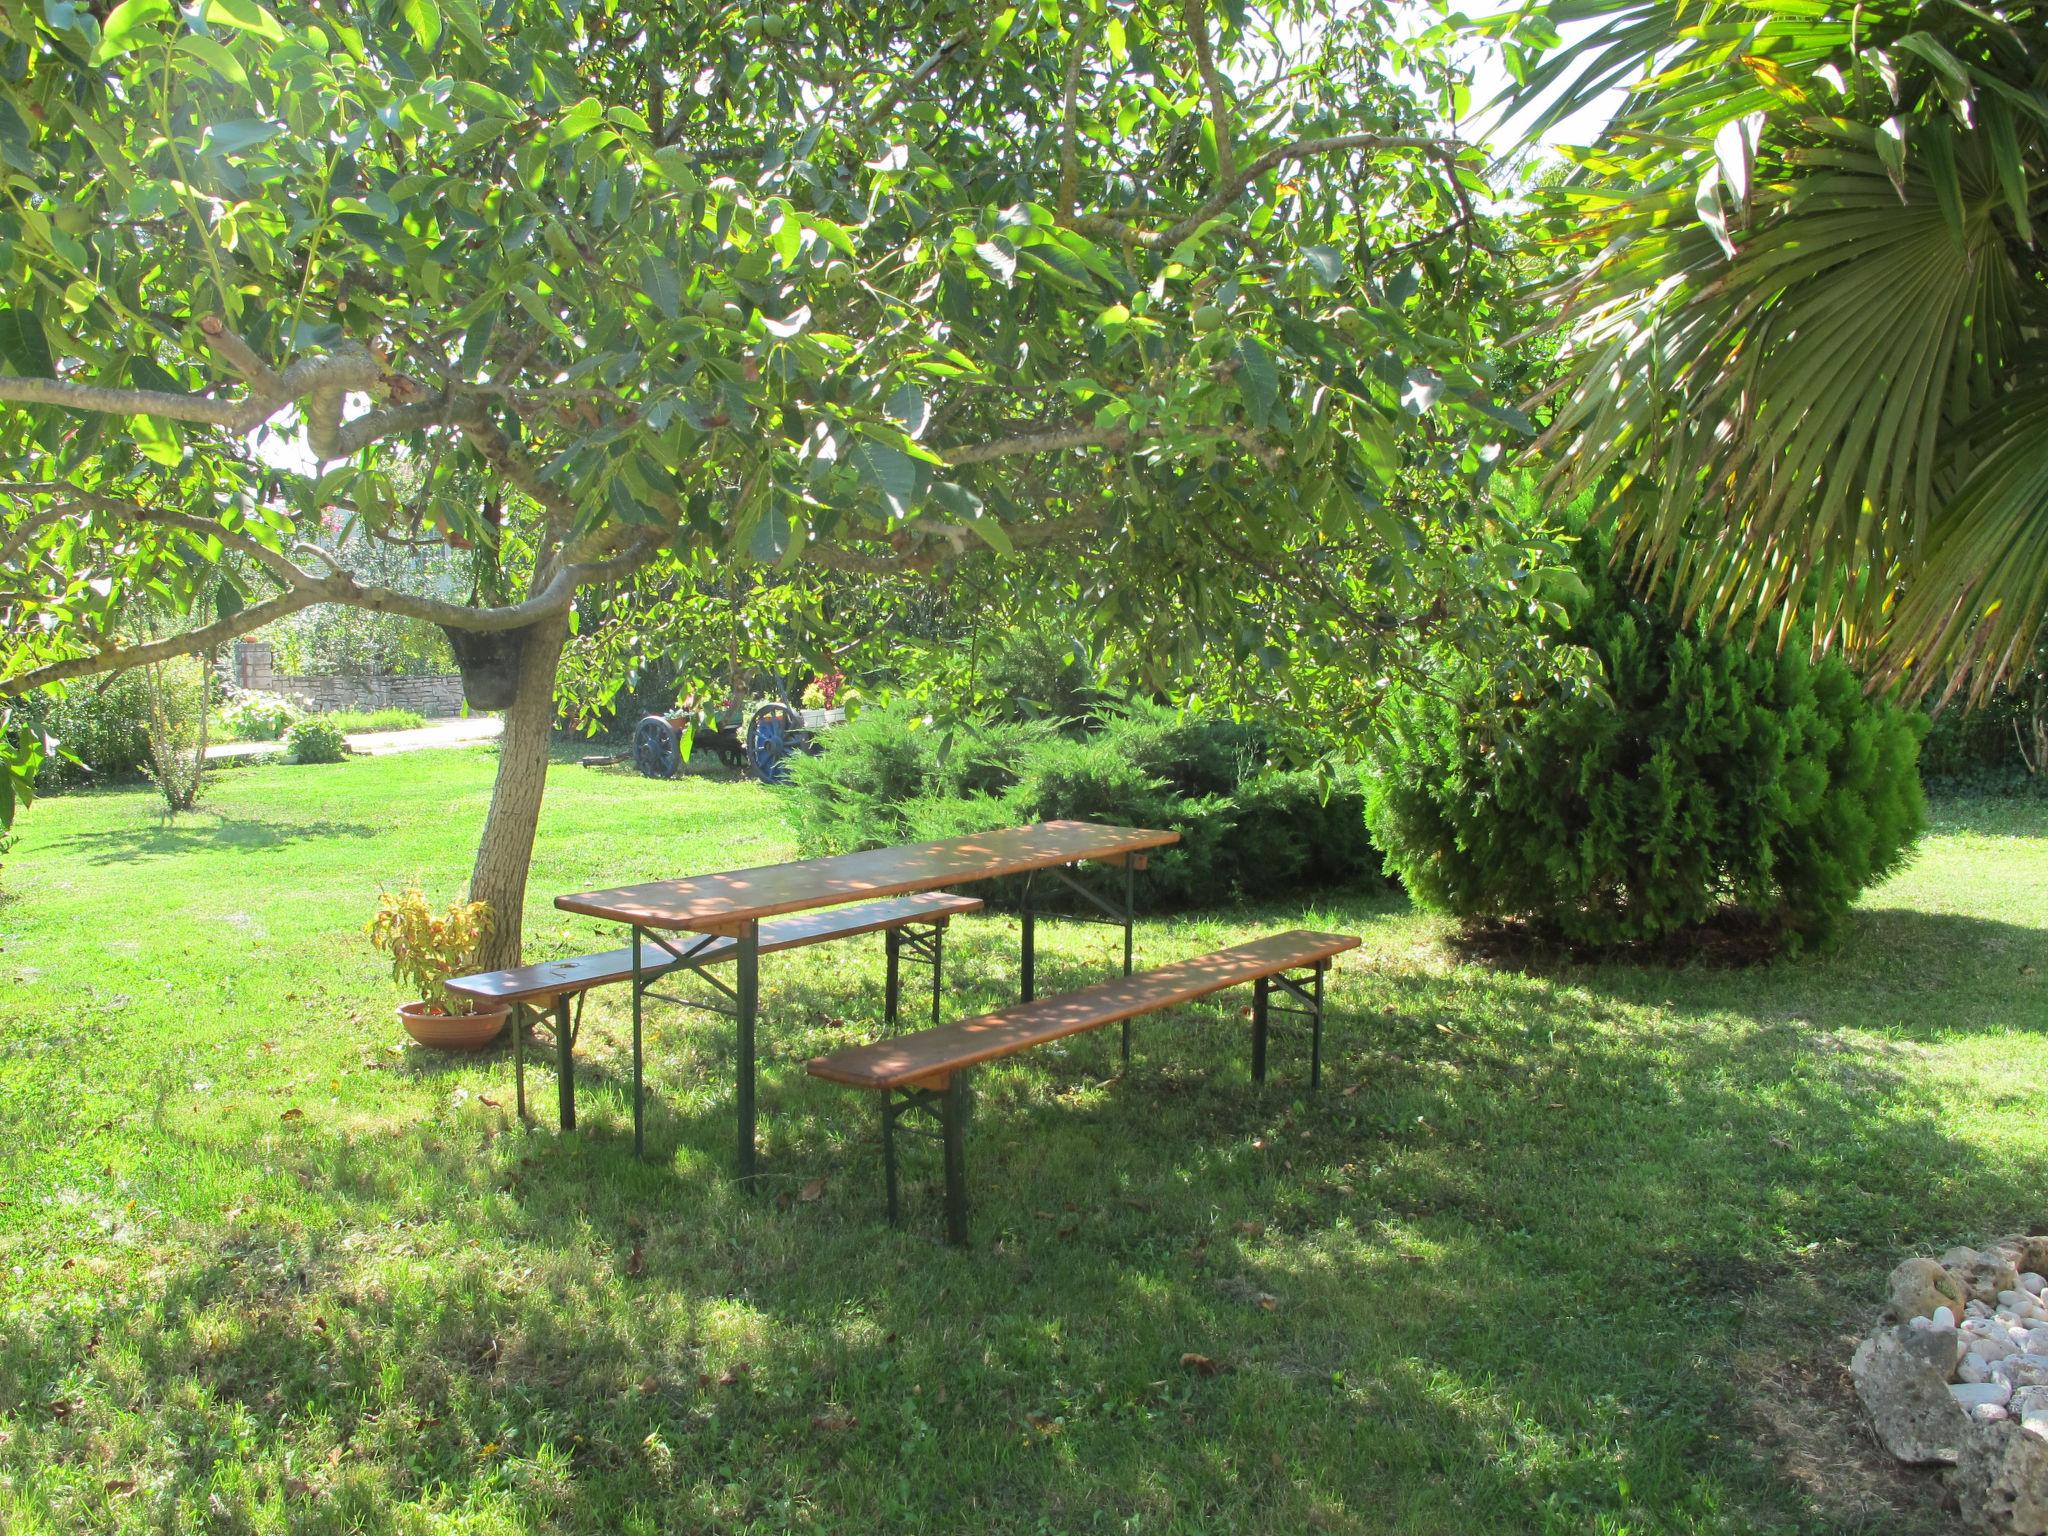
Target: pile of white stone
1959, 1377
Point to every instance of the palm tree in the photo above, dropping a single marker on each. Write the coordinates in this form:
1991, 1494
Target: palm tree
1805, 355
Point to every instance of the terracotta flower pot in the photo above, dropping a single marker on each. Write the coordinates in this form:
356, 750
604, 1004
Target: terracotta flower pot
453, 1031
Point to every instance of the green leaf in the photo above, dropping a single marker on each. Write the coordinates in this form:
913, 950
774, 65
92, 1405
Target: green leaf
580, 119
1259, 377
424, 17
126, 27
1000, 257
24, 344
232, 138
1326, 262
772, 534
660, 282
223, 63
14, 138
464, 18
889, 471
909, 409
245, 15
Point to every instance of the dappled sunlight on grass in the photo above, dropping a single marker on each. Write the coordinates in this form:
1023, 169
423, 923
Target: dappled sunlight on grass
1503, 1273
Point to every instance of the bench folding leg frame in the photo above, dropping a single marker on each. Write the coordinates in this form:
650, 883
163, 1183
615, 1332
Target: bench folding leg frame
949, 1106
923, 944
1108, 913
557, 1011
1305, 992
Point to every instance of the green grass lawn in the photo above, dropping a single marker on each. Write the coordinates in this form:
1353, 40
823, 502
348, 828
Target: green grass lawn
1573, 1251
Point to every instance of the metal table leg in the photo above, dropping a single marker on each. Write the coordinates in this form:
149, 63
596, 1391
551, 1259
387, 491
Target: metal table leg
519, 1058
565, 1075
1130, 916
639, 1097
892, 985
747, 984
1029, 918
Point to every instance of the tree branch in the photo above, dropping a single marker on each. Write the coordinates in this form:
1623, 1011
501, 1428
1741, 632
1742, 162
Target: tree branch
1059, 439
1221, 118
1228, 192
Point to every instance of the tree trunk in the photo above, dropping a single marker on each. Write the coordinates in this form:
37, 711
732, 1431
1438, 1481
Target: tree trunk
506, 851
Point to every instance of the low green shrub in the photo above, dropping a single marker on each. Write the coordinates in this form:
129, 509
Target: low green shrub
100, 722
390, 719
1712, 774
316, 739
1247, 830
252, 715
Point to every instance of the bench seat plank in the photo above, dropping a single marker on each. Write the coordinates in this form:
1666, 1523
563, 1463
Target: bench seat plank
554, 978
912, 1060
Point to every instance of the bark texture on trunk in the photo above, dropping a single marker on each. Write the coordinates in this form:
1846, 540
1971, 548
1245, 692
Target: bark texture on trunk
506, 850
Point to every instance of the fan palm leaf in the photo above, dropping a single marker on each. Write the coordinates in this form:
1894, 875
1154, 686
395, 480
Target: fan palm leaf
1801, 342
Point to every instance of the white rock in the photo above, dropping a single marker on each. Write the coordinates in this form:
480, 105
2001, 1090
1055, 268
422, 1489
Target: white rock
2032, 1283
2025, 1370
1918, 1324
1974, 1368
2010, 1300
2030, 1400
1971, 1393
1989, 1413
1943, 1318
1995, 1348
1976, 1309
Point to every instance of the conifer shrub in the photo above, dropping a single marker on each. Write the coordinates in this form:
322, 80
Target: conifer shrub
1714, 774
1248, 830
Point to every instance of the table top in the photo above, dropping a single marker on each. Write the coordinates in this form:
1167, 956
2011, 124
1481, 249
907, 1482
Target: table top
721, 902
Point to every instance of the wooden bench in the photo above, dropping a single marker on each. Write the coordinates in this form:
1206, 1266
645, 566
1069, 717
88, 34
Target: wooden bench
914, 923
927, 1071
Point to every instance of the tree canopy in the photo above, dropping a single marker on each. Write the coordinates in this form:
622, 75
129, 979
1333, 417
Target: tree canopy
623, 295
1803, 351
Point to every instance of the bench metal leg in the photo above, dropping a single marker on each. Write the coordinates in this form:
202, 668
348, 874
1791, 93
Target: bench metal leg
747, 984
938, 965
565, 1076
892, 986
1260, 999
950, 1106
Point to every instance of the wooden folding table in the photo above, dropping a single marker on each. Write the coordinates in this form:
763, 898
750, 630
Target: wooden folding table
731, 906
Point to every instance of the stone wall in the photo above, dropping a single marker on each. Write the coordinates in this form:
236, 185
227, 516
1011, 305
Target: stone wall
435, 697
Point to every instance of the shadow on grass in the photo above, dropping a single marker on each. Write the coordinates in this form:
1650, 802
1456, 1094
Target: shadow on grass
1490, 1278
201, 832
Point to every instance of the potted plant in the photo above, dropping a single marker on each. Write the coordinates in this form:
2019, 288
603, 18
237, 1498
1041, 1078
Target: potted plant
425, 951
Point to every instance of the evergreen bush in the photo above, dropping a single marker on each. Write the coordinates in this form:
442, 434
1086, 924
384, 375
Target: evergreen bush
1247, 830
1715, 773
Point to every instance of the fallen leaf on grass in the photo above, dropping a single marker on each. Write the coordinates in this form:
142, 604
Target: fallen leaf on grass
649, 1384
120, 1487
293, 1114
1251, 1229
485, 1098
1201, 1365
1266, 1303
812, 1190
731, 1374
833, 1420
635, 1262
297, 1487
